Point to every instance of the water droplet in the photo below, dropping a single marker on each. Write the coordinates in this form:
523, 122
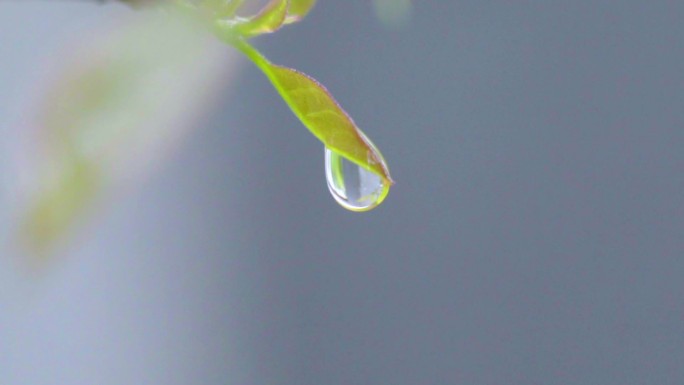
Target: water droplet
352, 186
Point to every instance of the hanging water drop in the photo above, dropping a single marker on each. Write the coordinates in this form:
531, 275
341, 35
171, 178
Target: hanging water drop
352, 186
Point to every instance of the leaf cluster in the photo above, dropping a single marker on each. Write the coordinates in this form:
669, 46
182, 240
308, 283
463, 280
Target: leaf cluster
308, 99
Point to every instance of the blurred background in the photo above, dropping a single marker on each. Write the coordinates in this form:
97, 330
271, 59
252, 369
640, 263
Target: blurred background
535, 234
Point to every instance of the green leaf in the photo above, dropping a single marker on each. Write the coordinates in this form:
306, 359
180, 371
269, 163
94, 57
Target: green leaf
268, 20
320, 113
298, 10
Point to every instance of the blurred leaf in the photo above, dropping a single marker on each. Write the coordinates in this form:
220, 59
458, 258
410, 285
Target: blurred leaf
117, 109
393, 13
320, 113
60, 203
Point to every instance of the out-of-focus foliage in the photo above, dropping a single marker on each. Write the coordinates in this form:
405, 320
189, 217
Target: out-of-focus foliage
393, 13
114, 111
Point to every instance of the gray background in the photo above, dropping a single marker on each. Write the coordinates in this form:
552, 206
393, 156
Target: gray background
535, 234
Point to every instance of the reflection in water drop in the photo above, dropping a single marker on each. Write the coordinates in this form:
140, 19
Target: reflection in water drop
352, 186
